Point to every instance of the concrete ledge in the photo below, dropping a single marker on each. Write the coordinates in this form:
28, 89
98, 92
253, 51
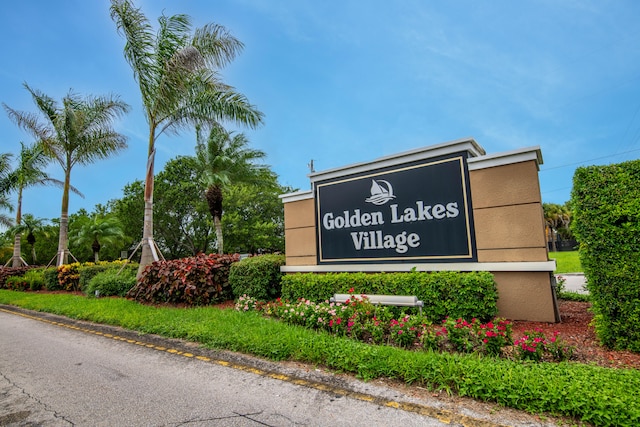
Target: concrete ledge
538, 266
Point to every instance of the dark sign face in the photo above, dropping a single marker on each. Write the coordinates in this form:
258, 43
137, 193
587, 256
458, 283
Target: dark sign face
413, 212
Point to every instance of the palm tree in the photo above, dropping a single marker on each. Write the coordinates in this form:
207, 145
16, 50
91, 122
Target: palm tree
33, 226
177, 75
79, 131
5, 168
28, 172
223, 160
555, 217
98, 231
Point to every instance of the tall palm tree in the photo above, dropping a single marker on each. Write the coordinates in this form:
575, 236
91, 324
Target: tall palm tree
98, 231
176, 71
224, 159
28, 172
5, 168
77, 131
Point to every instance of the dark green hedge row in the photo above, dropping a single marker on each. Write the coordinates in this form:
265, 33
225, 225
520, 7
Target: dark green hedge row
606, 221
257, 276
444, 293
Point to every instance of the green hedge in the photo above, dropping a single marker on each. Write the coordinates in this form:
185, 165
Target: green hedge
112, 281
444, 293
606, 221
258, 276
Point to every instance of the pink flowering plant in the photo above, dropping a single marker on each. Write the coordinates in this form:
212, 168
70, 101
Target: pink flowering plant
359, 319
536, 346
406, 331
467, 337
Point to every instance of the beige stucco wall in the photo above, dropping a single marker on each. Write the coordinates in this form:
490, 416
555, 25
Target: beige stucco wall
300, 232
507, 211
509, 227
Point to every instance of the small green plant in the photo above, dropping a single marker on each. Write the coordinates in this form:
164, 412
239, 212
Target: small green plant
112, 282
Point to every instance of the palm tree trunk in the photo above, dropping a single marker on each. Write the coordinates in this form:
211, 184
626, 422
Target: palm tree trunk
16, 259
148, 251
63, 241
218, 225
17, 250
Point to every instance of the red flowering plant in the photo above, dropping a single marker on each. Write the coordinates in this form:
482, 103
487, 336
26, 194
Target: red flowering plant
466, 337
406, 331
534, 345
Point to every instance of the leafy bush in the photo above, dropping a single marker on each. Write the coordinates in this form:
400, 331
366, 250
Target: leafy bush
89, 270
257, 276
69, 276
7, 272
35, 279
51, 279
606, 222
199, 280
112, 281
446, 293
16, 283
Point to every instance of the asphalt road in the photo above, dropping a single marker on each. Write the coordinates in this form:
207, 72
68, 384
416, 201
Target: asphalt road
59, 372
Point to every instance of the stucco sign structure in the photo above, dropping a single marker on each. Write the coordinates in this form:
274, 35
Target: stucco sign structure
443, 207
419, 211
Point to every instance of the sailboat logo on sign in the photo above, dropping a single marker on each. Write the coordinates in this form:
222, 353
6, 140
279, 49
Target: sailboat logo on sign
381, 192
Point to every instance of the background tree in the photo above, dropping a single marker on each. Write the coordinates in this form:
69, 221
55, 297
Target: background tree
253, 218
33, 227
96, 231
555, 217
177, 73
28, 172
224, 158
77, 131
181, 220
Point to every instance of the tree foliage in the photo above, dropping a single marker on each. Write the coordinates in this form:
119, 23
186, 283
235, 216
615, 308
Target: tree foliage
252, 221
225, 158
177, 70
76, 131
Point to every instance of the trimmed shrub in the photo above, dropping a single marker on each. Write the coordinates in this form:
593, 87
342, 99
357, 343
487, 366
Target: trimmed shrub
35, 279
199, 280
112, 281
257, 276
7, 272
446, 293
89, 270
69, 276
51, 279
16, 283
606, 221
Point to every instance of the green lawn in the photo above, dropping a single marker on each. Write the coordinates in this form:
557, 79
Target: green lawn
566, 262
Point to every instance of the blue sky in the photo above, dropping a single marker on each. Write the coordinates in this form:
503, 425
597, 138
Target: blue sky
342, 82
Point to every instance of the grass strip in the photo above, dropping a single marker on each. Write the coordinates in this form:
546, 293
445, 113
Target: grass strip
602, 396
567, 262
